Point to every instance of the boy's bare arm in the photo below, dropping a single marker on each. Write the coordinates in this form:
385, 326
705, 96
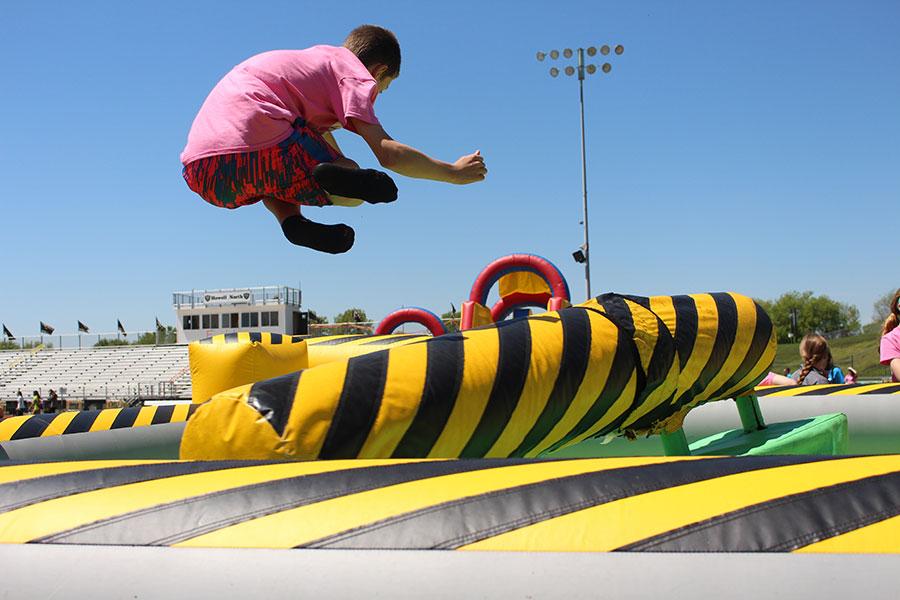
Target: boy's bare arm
406, 160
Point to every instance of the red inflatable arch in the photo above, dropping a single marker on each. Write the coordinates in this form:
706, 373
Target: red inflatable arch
411, 315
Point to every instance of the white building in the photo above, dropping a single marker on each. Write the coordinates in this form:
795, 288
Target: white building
204, 313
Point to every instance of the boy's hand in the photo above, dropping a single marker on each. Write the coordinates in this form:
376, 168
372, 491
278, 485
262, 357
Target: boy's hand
469, 169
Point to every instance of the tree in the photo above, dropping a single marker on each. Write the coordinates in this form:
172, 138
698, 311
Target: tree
882, 307
110, 342
160, 336
315, 319
813, 313
451, 320
352, 315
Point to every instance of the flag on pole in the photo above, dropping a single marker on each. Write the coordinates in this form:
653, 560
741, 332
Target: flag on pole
452, 309
7, 332
121, 327
159, 326
46, 328
83, 328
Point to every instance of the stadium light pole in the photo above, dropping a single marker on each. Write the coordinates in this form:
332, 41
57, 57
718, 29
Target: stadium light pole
583, 254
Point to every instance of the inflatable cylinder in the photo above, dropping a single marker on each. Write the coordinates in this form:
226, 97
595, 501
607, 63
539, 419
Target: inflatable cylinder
517, 388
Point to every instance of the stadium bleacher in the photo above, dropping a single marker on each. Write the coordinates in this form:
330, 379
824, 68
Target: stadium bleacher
83, 375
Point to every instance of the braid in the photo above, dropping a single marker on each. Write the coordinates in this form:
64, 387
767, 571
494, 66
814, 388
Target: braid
807, 367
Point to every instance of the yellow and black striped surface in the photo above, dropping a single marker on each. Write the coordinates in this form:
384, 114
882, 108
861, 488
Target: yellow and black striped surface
829, 390
83, 421
516, 388
722, 504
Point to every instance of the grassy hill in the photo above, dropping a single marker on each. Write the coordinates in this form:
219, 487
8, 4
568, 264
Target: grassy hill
858, 351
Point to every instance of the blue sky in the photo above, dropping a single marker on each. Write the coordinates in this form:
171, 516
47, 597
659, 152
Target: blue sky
736, 146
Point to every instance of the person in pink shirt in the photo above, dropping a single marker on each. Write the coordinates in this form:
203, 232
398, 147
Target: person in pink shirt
890, 339
264, 134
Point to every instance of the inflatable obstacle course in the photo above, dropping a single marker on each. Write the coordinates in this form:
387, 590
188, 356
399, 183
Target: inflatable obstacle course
648, 504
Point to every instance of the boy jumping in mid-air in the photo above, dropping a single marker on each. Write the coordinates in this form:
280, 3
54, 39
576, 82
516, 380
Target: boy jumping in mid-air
263, 133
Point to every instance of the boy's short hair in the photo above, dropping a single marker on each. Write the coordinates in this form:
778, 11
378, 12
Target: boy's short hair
375, 45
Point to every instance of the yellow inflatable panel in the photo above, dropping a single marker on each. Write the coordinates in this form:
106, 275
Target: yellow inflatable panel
227, 360
523, 282
516, 388
639, 504
46, 425
321, 350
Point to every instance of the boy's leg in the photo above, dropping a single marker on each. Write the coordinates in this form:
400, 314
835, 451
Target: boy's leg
299, 230
343, 178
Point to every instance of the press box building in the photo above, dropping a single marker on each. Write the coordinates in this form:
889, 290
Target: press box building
204, 313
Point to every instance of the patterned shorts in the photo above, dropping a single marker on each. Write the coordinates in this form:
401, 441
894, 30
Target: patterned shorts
282, 172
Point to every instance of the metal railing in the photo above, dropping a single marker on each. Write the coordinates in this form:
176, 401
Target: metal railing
91, 340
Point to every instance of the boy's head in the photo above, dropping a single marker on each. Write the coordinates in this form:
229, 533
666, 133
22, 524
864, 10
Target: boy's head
378, 49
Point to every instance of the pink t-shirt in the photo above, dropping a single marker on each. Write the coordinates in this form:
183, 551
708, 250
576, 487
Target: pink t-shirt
254, 105
890, 347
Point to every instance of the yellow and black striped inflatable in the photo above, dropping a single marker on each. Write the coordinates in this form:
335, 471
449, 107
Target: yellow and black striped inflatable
517, 388
647, 504
854, 389
83, 421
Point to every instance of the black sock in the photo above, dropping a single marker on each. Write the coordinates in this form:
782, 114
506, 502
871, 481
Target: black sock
364, 184
333, 239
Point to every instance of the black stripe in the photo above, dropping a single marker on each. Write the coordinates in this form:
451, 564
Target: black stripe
443, 377
184, 519
662, 360
256, 336
831, 389
126, 417
335, 342
276, 338
786, 523
617, 311
208, 340
459, 522
726, 330
625, 363
163, 414
274, 398
32, 427
685, 327
231, 338
887, 389
192, 408
771, 390
642, 300
576, 353
394, 338
82, 421
358, 405
17, 494
509, 380
761, 335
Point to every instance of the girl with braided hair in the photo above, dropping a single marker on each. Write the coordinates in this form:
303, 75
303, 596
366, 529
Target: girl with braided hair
818, 366
890, 339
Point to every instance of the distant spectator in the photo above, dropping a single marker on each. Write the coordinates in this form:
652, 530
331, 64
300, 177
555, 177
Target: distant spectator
818, 367
21, 405
36, 402
851, 376
890, 339
52, 402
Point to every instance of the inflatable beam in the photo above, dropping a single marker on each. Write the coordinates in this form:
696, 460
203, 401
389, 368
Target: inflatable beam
617, 364
84, 421
649, 504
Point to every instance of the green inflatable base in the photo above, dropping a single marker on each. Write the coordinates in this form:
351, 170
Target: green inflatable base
823, 435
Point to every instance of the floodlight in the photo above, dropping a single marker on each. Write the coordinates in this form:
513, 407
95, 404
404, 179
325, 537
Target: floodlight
570, 70
541, 56
567, 53
579, 257
554, 71
591, 69
620, 49
591, 51
606, 67
554, 54
604, 49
